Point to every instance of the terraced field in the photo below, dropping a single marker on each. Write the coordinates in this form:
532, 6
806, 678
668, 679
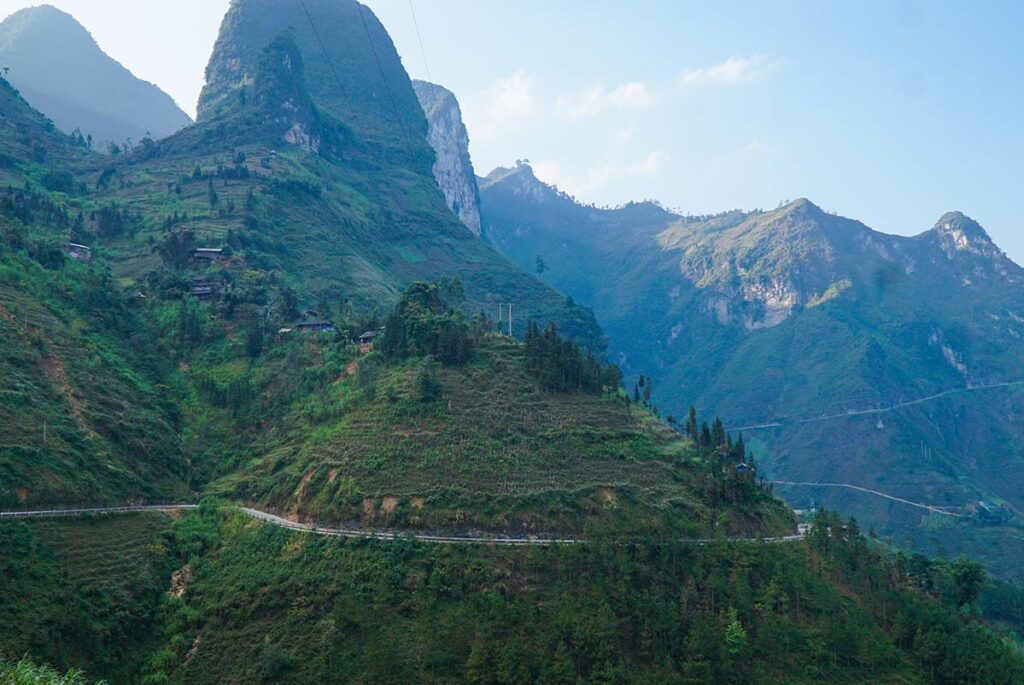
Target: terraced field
103, 553
496, 453
83, 591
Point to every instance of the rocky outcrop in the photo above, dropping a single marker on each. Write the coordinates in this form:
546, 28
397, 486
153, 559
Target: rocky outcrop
453, 168
352, 74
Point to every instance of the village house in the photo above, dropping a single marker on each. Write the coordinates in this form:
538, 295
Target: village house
78, 252
316, 326
208, 254
204, 288
365, 341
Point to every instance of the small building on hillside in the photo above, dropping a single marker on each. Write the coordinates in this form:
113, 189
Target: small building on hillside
205, 288
208, 254
745, 468
78, 252
316, 327
366, 340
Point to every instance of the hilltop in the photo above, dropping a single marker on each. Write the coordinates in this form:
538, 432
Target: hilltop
777, 316
310, 212
62, 72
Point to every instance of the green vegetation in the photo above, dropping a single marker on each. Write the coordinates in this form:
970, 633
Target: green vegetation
24, 672
257, 603
777, 316
156, 372
83, 592
422, 325
408, 443
561, 366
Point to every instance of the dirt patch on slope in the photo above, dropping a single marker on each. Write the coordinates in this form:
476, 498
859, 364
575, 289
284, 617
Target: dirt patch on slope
58, 375
180, 580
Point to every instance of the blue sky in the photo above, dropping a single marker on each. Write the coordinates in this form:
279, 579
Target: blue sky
888, 112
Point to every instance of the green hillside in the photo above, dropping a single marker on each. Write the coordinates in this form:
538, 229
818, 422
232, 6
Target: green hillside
83, 416
179, 320
257, 603
83, 593
782, 316
310, 213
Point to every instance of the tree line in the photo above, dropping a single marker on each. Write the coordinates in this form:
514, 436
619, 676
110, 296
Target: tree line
563, 366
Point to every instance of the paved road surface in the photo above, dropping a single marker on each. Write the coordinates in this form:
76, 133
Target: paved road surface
779, 423
275, 520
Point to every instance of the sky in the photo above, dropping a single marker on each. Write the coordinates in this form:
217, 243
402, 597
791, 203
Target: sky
891, 112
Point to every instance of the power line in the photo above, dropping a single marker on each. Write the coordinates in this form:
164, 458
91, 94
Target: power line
384, 79
420, 39
327, 57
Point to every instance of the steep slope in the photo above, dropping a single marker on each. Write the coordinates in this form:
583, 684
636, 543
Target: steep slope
309, 213
256, 603
453, 168
62, 72
325, 191
352, 70
783, 316
82, 416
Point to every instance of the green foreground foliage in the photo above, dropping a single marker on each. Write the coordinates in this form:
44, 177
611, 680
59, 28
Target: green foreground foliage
254, 603
24, 672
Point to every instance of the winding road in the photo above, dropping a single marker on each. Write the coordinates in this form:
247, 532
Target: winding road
929, 507
779, 423
275, 520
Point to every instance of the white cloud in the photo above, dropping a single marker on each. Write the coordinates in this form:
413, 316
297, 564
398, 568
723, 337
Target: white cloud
733, 71
597, 98
507, 103
588, 185
583, 186
651, 164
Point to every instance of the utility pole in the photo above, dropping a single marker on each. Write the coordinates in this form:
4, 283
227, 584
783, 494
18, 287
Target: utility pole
501, 312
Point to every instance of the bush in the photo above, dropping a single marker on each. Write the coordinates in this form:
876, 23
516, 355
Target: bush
421, 325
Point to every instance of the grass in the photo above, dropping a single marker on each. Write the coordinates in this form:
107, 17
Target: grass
104, 552
495, 453
82, 592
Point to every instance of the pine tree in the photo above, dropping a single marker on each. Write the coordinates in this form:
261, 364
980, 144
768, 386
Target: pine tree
691, 423
718, 437
705, 435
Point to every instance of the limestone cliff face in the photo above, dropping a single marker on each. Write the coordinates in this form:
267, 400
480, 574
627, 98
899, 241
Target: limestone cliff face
453, 168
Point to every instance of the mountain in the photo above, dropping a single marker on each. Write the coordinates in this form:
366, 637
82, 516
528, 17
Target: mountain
776, 319
453, 168
352, 69
311, 212
182, 323
61, 71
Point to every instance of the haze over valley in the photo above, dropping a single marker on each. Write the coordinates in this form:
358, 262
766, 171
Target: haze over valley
365, 355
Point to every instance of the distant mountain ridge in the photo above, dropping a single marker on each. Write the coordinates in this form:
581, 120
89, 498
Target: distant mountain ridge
62, 72
774, 316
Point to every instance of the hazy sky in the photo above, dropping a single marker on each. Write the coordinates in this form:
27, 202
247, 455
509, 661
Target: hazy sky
891, 112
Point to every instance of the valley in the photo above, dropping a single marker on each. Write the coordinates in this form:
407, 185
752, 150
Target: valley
260, 423
820, 340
